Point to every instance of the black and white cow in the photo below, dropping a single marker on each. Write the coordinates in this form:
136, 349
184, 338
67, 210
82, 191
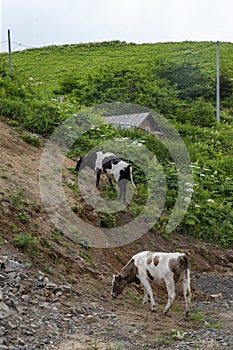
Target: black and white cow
151, 266
111, 166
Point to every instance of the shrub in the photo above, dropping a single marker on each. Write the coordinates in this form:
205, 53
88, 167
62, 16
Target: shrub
26, 242
32, 140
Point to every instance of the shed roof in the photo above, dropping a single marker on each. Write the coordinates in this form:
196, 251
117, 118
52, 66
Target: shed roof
127, 119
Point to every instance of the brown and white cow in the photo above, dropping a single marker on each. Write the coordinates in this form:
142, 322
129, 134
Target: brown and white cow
152, 266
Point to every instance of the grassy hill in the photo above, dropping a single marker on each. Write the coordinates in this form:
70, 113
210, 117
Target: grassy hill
50, 64
176, 80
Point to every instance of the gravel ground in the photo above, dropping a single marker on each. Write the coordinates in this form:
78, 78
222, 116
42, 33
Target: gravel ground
36, 313
215, 316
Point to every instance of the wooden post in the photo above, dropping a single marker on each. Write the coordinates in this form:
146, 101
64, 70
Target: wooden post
9, 49
217, 81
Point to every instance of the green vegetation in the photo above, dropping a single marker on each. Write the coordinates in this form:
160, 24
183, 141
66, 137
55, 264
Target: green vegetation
26, 242
197, 316
176, 80
14, 228
17, 199
32, 140
208, 322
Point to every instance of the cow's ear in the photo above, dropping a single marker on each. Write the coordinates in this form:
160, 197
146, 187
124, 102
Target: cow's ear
117, 277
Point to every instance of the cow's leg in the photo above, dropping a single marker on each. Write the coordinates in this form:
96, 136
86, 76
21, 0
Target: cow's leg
122, 186
98, 171
145, 298
124, 193
110, 181
170, 284
187, 292
148, 291
120, 193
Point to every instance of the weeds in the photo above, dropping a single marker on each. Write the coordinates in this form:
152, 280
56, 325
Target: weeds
32, 140
176, 334
45, 242
26, 242
13, 123
56, 235
84, 243
17, 199
24, 218
87, 257
14, 228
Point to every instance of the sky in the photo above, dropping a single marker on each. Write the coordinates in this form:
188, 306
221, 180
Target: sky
37, 23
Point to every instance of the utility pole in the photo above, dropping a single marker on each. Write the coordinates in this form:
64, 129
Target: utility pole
9, 49
217, 81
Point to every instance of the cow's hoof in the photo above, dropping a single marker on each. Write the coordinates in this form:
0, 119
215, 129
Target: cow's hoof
166, 314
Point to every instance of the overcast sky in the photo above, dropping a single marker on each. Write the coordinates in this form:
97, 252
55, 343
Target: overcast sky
37, 23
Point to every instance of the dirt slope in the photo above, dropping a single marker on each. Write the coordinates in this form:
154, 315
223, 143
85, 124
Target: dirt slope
89, 272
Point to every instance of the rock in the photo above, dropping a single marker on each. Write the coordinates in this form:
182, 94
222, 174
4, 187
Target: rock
51, 285
4, 311
12, 325
216, 296
2, 332
11, 265
3, 277
25, 298
46, 280
12, 277
70, 182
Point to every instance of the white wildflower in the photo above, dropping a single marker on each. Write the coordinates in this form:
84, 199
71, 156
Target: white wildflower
189, 190
210, 200
194, 166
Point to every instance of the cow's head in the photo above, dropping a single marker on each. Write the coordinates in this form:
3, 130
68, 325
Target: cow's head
118, 285
78, 165
88, 161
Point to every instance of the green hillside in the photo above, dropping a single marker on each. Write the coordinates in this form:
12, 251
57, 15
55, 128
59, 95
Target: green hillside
50, 64
176, 80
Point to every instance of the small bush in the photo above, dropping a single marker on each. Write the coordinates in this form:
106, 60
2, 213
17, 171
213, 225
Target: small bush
13, 122
26, 242
17, 199
32, 140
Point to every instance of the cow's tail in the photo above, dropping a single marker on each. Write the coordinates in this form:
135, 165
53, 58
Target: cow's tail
186, 266
131, 179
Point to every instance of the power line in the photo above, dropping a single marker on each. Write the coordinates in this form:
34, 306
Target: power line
184, 51
22, 45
